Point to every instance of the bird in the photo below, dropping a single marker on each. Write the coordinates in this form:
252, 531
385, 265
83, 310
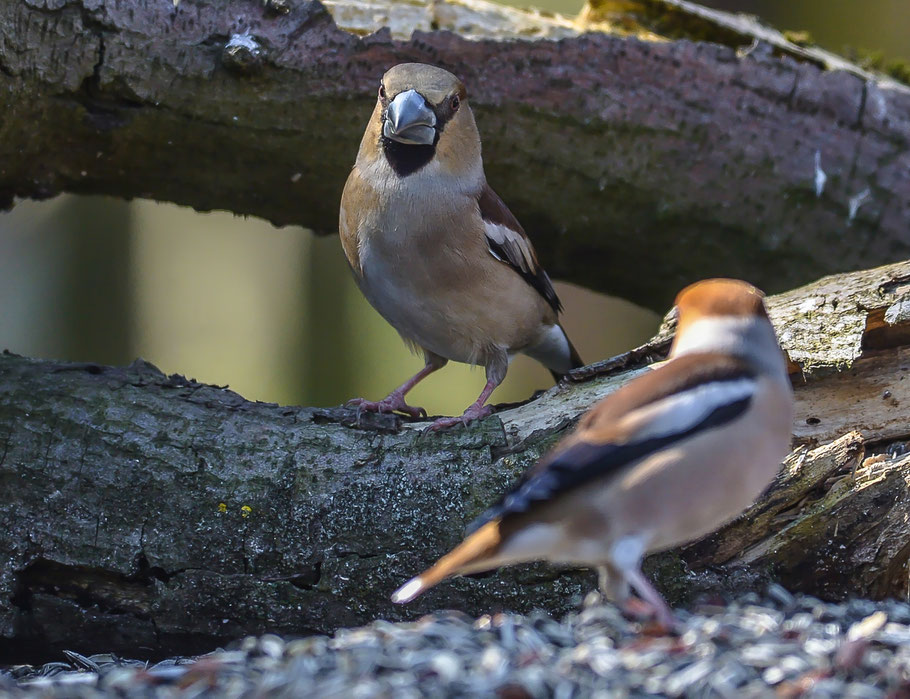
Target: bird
435, 250
665, 459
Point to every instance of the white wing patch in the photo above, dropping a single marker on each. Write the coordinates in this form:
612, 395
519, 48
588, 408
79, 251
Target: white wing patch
683, 411
516, 247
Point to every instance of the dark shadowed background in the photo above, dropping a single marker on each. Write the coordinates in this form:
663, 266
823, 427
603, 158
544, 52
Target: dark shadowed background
274, 312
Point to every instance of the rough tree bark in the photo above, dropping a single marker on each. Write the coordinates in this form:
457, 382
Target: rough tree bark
738, 153
154, 514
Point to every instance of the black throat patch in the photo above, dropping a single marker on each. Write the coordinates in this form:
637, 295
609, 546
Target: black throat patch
406, 158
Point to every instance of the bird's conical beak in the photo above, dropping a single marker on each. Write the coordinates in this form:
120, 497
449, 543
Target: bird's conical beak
409, 120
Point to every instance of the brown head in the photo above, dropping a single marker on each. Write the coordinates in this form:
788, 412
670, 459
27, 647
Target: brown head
421, 116
718, 297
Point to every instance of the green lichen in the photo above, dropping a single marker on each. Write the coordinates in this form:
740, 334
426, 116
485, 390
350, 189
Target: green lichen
873, 60
800, 37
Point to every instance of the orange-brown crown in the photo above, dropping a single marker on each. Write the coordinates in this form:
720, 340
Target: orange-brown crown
719, 297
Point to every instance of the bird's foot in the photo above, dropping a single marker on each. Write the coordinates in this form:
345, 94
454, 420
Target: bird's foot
474, 412
661, 615
390, 404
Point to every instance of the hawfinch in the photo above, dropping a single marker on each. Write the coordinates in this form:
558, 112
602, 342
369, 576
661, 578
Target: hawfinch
666, 459
435, 250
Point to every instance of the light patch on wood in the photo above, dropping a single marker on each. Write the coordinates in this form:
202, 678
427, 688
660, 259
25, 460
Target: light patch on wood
473, 19
822, 325
871, 398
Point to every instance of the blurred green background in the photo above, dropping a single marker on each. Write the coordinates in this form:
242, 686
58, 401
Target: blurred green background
227, 300
273, 312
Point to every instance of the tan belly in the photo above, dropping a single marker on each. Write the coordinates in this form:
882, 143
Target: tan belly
460, 310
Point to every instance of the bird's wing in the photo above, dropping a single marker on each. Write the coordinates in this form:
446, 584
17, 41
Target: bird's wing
356, 198
509, 244
686, 396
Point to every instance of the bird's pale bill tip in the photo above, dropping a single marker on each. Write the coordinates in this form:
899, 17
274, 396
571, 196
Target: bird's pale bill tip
408, 591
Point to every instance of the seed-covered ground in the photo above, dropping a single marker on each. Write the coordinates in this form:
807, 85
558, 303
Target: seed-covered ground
776, 645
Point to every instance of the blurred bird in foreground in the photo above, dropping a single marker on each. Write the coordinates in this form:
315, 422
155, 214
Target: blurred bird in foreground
435, 250
667, 458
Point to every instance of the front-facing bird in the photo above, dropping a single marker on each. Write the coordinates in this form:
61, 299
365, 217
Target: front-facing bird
667, 458
435, 250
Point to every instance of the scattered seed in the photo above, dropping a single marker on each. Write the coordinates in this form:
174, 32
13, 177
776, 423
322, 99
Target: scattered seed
784, 644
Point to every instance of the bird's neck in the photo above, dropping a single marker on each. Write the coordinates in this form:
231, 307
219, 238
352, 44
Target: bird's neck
434, 182
751, 339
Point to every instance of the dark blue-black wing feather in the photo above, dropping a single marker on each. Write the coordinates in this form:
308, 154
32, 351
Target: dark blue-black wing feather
584, 461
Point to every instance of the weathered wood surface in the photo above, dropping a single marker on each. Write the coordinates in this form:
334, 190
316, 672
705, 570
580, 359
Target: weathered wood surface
728, 154
154, 514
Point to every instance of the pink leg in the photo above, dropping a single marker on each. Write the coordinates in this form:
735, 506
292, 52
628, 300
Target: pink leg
395, 400
612, 584
662, 613
475, 411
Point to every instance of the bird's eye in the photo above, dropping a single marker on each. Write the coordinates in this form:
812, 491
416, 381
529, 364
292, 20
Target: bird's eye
381, 91
455, 103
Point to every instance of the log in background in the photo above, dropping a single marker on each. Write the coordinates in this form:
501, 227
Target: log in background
609, 149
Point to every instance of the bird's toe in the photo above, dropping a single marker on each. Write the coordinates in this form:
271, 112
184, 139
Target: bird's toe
398, 404
390, 404
362, 404
475, 412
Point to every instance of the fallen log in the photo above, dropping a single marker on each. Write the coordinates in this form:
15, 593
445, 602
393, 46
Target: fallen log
145, 513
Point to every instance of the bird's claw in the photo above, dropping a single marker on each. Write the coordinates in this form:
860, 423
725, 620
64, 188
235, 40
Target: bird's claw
474, 412
392, 403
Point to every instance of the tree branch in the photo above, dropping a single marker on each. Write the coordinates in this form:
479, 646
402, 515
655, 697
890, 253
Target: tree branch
740, 154
145, 511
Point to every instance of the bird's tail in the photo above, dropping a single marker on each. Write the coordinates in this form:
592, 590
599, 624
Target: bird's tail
574, 358
469, 556
555, 351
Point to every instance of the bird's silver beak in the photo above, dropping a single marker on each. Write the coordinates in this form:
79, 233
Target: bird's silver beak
408, 119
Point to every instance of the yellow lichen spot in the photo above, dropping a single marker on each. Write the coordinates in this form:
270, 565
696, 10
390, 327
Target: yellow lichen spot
222, 508
245, 511
800, 37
